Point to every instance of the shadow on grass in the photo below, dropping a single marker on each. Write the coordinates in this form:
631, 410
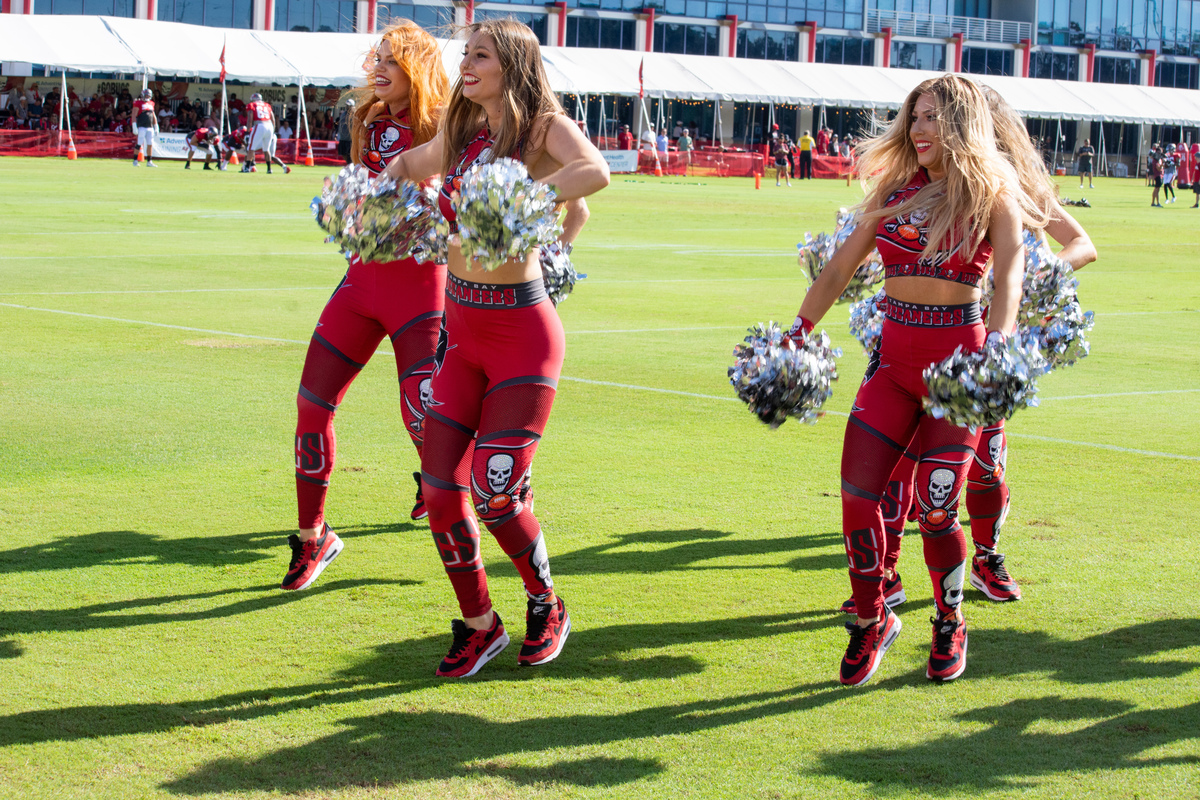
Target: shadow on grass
104, 548
10, 649
1015, 748
117, 614
396, 669
643, 552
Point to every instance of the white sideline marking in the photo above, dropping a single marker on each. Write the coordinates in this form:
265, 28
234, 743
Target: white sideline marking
1102, 446
173, 255
1117, 394
164, 291
651, 388
153, 324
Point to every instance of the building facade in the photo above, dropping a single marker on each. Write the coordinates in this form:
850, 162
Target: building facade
1147, 42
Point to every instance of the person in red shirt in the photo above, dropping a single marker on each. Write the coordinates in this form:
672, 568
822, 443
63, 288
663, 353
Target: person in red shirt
625, 138
822, 141
143, 121
206, 139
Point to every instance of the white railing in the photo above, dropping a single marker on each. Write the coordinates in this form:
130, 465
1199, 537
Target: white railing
938, 26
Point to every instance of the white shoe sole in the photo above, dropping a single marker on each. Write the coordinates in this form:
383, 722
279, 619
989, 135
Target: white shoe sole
333, 553
562, 640
979, 584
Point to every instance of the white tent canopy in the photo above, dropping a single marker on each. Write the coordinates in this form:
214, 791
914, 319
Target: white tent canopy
112, 44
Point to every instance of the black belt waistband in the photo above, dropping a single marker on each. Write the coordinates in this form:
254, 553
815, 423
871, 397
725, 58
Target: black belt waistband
930, 271
495, 295
920, 315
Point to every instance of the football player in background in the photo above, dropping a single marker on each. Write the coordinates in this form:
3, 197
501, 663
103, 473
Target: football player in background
143, 121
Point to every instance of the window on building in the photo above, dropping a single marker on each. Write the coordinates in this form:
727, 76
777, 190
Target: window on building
772, 45
1116, 70
1054, 66
217, 13
314, 15
435, 19
845, 50
1178, 76
674, 37
110, 8
988, 61
536, 22
913, 55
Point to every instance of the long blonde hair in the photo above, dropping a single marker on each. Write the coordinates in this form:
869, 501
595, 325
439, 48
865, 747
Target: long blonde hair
960, 204
1012, 140
419, 56
529, 101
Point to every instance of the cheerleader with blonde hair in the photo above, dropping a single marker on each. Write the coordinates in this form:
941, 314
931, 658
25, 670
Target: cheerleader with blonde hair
941, 202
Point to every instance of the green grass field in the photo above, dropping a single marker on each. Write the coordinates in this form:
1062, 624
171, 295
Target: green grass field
154, 326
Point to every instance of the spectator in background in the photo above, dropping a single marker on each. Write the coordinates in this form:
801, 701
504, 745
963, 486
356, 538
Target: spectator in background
663, 142
822, 140
1170, 170
677, 131
34, 99
846, 149
1085, 162
625, 138
343, 130
647, 139
1154, 175
237, 111
834, 146
684, 144
779, 153
285, 131
806, 143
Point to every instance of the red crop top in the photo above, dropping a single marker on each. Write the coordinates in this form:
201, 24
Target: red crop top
901, 239
387, 137
477, 151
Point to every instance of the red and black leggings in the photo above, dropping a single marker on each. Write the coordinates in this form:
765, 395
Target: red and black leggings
499, 361
399, 299
886, 415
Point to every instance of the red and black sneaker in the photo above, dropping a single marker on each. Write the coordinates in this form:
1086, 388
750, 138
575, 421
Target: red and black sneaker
472, 648
419, 510
867, 646
948, 653
547, 626
309, 559
989, 576
893, 595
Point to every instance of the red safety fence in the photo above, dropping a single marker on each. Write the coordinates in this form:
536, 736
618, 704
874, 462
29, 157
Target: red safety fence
92, 144
702, 162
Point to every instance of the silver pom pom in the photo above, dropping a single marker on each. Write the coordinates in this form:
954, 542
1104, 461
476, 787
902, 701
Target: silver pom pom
503, 214
979, 387
866, 320
558, 274
815, 252
1050, 307
778, 379
380, 220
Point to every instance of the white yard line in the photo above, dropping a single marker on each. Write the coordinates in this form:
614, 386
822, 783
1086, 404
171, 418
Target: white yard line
634, 387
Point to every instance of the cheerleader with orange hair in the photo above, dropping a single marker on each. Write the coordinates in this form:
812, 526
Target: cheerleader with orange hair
397, 109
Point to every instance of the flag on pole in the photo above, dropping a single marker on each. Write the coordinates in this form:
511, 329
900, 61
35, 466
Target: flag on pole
641, 83
222, 60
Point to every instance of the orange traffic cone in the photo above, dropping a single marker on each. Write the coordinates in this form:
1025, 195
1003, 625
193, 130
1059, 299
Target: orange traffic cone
657, 168
141, 155
308, 159
233, 160
72, 154
757, 181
